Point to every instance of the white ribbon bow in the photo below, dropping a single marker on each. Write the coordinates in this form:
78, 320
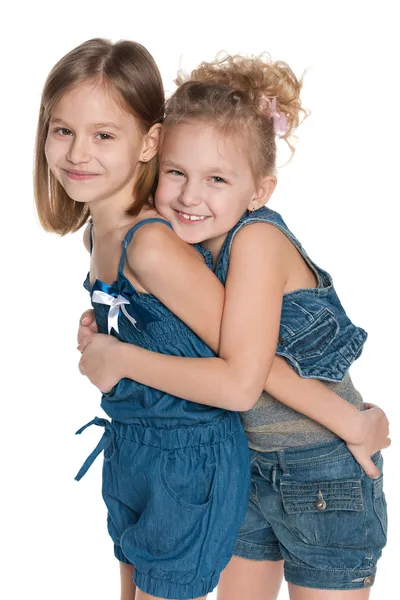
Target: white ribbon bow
115, 305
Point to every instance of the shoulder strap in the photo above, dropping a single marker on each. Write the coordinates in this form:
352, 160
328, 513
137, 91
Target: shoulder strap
128, 238
266, 215
91, 236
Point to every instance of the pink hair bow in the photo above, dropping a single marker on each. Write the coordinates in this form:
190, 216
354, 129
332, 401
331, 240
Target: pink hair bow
268, 104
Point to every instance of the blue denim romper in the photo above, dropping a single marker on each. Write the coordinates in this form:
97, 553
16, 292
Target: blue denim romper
313, 506
176, 474
316, 336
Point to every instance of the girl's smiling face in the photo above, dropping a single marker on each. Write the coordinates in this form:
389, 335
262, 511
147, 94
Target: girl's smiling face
206, 183
93, 145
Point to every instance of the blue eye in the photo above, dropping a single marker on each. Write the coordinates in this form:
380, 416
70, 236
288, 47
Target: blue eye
175, 172
217, 179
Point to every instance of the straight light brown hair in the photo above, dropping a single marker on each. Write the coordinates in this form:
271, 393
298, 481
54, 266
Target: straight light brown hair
128, 71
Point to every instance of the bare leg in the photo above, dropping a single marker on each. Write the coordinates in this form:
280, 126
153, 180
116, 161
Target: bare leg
301, 593
128, 588
245, 579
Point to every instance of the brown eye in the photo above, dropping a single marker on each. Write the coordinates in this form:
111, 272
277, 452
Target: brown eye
63, 131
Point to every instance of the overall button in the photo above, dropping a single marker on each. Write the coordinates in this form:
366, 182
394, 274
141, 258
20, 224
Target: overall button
369, 581
320, 504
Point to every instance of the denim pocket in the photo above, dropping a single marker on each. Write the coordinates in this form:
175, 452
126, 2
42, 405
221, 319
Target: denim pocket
380, 504
326, 513
188, 481
170, 534
173, 525
313, 340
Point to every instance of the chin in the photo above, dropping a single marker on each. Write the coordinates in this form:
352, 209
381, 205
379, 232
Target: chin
191, 239
78, 198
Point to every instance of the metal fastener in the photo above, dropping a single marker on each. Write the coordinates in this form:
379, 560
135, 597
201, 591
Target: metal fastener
369, 581
320, 504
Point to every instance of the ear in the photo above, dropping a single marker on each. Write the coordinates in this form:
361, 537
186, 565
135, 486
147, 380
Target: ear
264, 190
150, 143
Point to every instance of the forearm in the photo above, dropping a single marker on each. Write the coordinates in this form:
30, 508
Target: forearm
315, 400
208, 381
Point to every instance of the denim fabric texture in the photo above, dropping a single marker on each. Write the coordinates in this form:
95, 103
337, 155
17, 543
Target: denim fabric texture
176, 475
311, 505
158, 329
316, 509
316, 336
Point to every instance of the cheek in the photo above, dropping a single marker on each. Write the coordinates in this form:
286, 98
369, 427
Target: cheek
118, 157
229, 208
119, 165
164, 193
220, 204
50, 151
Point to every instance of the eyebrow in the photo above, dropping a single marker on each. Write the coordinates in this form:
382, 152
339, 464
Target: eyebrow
219, 170
109, 124
170, 163
57, 121
94, 125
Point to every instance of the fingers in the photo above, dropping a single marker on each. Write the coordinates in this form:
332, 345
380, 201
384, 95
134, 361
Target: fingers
85, 341
375, 408
370, 468
84, 333
377, 411
87, 318
361, 454
87, 324
80, 367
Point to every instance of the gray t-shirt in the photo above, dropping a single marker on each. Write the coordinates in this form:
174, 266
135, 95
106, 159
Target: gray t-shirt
271, 425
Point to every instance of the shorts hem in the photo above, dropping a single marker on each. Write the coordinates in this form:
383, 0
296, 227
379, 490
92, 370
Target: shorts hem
326, 579
171, 591
257, 552
120, 555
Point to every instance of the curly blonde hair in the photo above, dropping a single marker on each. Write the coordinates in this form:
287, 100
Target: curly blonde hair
129, 71
230, 92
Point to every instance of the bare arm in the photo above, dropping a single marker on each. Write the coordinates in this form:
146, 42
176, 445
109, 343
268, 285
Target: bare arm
365, 432
172, 271
235, 379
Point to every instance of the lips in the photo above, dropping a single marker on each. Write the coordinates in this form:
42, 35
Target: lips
80, 175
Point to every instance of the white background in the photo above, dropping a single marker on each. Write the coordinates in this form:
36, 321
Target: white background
339, 195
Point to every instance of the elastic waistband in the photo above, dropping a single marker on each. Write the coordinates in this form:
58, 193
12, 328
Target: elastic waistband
212, 432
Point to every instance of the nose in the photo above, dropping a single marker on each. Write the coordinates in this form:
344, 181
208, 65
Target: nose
78, 151
190, 194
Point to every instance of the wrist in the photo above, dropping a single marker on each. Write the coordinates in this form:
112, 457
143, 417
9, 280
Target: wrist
354, 427
124, 360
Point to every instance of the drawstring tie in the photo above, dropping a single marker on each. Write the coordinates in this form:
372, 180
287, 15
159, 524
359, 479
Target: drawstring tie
107, 441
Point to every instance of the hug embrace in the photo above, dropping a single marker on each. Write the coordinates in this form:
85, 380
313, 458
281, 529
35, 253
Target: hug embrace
237, 449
